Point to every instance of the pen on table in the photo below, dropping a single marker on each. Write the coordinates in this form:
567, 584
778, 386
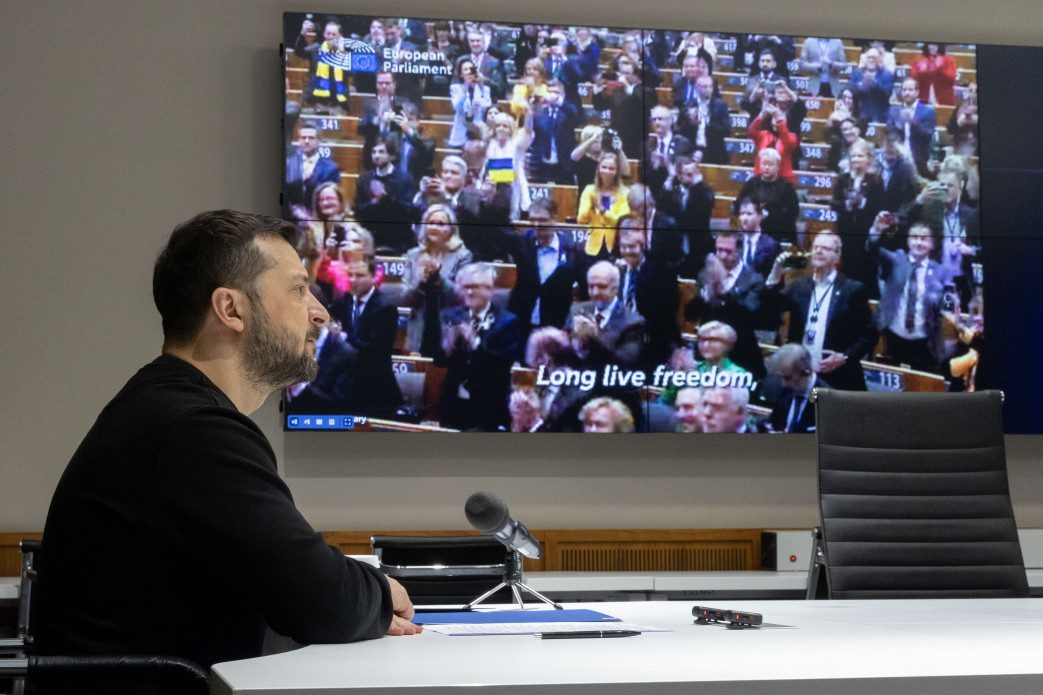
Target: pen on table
587, 633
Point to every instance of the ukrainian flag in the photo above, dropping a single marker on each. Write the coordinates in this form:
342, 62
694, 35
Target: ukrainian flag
500, 170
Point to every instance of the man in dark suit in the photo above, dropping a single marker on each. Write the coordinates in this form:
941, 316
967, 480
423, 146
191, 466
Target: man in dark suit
759, 248
370, 323
305, 170
397, 183
650, 290
628, 100
328, 392
663, 148
691, 204
730, 292
915, 122
684, 90
416, 153
791, 409
897, 174
477, 345
911, 295
663, 241
705, 122
554, 137
449, 188
548, 267
762, 81
570, 70
488, 66
409, 86
603, 330
380, 113
829, 313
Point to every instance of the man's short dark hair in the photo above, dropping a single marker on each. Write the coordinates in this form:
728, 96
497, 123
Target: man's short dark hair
370, 262
547, 204
756, 201
213, 249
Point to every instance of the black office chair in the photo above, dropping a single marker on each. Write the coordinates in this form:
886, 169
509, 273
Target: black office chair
29, 672
914, 497
443, 569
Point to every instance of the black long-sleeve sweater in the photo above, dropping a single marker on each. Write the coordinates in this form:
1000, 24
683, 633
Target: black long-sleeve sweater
171, 533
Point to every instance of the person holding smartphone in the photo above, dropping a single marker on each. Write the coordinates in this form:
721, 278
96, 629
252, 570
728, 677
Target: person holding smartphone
601, 205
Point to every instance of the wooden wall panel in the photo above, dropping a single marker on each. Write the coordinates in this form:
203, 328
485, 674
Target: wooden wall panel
10, 555
596, 550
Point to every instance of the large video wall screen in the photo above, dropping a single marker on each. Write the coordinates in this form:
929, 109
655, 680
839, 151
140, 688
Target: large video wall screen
552, 228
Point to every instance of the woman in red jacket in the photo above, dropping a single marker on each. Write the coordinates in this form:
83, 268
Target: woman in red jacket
935, 71
769, 129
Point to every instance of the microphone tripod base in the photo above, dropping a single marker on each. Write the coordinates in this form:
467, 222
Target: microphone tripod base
512, 578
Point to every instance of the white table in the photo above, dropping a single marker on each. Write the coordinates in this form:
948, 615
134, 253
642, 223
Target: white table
852, 647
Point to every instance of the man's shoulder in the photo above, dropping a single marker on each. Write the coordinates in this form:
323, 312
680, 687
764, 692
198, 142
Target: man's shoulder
173, 392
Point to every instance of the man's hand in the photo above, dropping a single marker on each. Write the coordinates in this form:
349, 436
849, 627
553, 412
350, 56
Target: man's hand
584, 328
778, 268
831, 362
400, 624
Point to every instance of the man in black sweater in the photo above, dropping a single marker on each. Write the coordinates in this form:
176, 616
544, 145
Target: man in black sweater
170, 532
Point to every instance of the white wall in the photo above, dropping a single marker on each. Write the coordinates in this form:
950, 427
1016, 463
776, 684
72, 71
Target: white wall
122, 119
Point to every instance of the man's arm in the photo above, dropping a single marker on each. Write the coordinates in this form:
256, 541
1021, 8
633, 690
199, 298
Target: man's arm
216, 492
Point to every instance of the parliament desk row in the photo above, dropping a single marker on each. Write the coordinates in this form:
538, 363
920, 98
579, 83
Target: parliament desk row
812, 130
435, 106
913, 647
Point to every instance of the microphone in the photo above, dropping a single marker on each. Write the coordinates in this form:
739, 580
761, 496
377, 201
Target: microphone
488, 513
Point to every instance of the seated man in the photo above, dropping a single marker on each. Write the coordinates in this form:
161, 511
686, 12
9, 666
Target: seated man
604, 415
688, 410
170, 532
724, 410
792, 410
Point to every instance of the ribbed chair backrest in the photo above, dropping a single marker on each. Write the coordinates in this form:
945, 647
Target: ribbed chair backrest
914, 496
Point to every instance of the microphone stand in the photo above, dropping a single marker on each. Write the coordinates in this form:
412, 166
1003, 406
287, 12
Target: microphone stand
512, 577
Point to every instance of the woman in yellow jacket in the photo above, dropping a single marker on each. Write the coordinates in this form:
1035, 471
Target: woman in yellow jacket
601, 205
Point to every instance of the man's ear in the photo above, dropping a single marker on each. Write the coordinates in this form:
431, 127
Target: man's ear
229, 307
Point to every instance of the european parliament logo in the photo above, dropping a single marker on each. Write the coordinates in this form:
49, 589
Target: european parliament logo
351, 55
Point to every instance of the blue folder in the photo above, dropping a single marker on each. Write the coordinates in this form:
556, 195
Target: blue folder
487, 617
